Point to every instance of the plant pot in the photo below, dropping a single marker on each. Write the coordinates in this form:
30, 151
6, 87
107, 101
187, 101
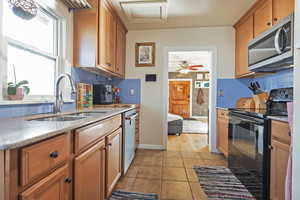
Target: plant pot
18, 96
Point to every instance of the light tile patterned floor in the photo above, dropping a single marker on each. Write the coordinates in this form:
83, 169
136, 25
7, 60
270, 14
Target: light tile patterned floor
168, 173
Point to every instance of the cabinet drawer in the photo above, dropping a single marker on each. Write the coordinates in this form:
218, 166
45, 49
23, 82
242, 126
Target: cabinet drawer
88, 135
39, 158
56, 186
223, 114
281, 131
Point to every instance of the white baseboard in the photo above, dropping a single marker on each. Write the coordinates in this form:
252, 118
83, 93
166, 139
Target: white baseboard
151, 146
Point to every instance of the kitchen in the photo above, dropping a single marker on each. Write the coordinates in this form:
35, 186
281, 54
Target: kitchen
92, 56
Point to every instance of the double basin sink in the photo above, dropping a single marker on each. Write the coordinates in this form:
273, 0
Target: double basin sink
71, 117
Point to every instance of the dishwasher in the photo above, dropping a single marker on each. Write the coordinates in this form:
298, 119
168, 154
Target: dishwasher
128, 138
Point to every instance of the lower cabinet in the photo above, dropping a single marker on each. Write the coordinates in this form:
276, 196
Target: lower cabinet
222, 131
280, 150
114, 159
90, 173
56, 186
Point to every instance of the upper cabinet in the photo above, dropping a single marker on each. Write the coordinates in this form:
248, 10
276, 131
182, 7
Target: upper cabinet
96, 41
244, 33
282, 8
261, 16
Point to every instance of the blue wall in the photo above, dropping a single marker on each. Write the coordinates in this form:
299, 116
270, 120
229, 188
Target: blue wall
8, 111
230, 90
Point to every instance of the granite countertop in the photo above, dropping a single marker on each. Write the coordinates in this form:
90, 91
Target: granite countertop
279, 118
18, 132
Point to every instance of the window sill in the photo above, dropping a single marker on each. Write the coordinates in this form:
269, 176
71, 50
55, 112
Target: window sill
31, 102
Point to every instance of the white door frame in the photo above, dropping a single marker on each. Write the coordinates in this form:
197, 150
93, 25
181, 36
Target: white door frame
191, 91
212, 93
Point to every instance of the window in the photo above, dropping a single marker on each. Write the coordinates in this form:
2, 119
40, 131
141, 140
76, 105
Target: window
32, 50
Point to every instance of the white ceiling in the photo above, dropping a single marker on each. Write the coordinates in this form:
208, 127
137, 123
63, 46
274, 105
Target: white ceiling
182, 13
192, 57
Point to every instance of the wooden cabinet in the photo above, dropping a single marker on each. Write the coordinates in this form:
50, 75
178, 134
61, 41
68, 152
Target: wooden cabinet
56, 186
222, 131
107, 34
259, 18
114, 158
280, 149
282, 8
121, 49
96, 43
90, 173
244, 33
263, 18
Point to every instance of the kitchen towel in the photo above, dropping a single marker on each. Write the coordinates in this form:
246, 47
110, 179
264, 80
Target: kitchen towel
288, 180
200, 97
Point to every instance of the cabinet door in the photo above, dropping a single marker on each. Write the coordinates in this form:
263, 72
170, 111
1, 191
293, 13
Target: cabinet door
120, 50
222, 141
107, 37
263, 18
282, 8
113, 163
244, 33
56, 186
90, 173
279, 160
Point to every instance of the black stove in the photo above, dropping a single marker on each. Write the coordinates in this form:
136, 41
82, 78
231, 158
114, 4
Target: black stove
249, 139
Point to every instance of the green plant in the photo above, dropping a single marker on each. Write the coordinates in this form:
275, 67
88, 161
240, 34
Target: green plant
12, 87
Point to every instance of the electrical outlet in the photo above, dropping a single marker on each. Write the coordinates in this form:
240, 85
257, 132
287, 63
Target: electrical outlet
131, 92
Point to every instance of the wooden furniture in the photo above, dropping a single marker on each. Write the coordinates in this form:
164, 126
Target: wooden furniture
99, 40
113, 164
244, 33
263, 18
179, 98
87, 159
222, 131
259, 18
280, 149
90, 173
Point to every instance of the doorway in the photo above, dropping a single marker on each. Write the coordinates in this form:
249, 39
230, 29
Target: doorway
188, 78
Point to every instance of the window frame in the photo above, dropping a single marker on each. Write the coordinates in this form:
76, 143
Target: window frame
57, 51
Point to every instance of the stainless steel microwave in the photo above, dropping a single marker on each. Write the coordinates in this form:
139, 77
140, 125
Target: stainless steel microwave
273, 50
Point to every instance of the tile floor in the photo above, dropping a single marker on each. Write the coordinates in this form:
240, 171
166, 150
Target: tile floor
168, 173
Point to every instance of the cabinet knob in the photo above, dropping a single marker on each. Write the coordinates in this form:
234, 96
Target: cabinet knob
109, 144
53, 154
270, 147
290, 134
68, 180
269, 23
275, 19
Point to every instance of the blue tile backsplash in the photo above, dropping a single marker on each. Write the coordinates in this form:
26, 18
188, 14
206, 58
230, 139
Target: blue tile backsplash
79, 75
230, 90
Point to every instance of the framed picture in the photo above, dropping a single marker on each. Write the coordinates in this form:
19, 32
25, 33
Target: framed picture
206, 76
200, 76
145, 54
198, 84
205, 84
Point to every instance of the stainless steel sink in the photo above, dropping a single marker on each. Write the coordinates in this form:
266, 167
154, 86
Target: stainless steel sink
59, 118
88, 114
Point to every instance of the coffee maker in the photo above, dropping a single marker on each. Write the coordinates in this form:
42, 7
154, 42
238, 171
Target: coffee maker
102, 94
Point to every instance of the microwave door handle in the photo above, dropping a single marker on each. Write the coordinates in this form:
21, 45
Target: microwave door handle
276, 40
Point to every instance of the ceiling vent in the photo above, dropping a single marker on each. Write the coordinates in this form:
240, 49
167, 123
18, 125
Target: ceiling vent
149, 11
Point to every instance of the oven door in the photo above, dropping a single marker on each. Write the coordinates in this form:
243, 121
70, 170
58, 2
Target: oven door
272, 49
248, 152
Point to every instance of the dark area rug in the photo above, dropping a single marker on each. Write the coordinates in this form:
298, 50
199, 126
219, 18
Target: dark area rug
221, 183
132, 196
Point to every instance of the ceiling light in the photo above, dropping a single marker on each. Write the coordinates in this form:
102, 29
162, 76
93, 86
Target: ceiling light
26, 9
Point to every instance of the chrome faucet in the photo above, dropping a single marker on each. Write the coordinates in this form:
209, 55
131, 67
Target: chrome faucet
58, 95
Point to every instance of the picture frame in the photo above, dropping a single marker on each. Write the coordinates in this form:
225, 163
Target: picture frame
145, 54
200, 76
198, 84
207, 76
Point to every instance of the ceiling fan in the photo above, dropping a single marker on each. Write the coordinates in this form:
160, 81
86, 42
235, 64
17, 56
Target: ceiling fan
185, 67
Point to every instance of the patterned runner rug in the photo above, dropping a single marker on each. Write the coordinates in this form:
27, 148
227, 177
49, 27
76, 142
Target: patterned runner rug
220, 183
117, 195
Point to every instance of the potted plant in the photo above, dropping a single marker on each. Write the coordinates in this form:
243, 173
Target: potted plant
16, 90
